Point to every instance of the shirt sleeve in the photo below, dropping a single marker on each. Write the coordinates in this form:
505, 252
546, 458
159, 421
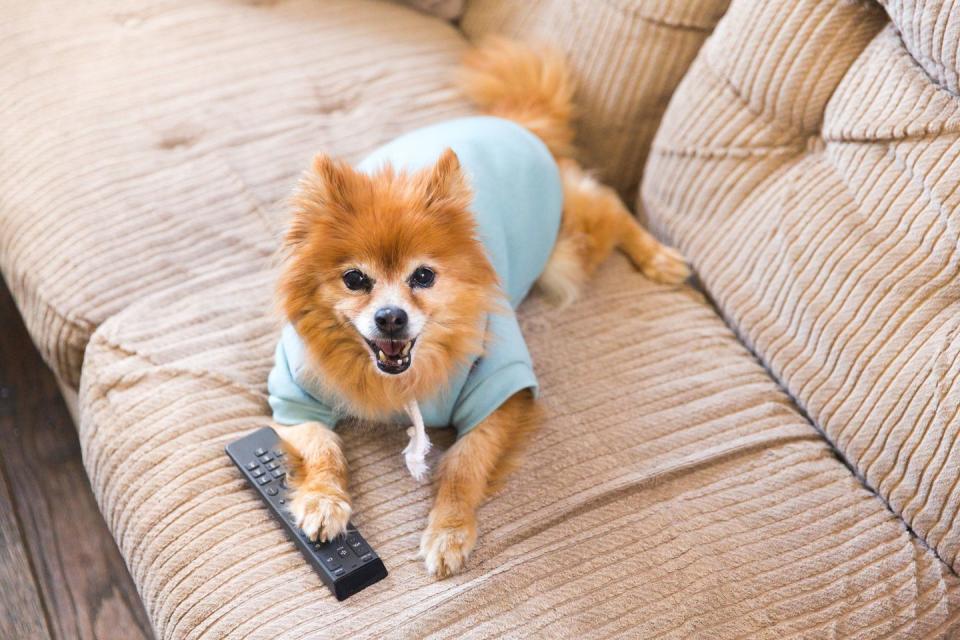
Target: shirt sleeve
504, 369
290, 401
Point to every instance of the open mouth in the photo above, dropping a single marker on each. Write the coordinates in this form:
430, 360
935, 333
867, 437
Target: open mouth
392, 356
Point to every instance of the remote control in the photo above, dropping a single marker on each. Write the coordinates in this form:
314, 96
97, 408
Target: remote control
347, 564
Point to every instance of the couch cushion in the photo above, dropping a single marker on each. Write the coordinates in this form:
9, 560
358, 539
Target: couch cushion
673, 490
147, 142
628, 56
809, 166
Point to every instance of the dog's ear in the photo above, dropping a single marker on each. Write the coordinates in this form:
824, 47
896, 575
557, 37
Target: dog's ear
446, 182
334, 181
328, 188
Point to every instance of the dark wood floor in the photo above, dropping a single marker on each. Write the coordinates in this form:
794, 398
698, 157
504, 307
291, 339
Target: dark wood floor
61, 575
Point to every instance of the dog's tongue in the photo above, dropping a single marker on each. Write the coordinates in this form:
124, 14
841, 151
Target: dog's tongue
390, 347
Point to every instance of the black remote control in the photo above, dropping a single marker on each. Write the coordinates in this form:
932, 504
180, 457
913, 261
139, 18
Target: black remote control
347, 564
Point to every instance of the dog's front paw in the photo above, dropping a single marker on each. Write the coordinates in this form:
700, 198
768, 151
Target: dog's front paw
446, 545
321, 510
666, 265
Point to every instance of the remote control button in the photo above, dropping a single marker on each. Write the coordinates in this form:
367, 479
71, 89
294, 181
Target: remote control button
342, 552
264, 480
282, 501
367, 558
266, 457
272, 465
279, 453
272, 491
277, 473
260, 451
257, 472
252, 465
330, 561
358, 545
339, 571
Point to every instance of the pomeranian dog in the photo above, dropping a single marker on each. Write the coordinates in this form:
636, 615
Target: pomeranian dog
400, 281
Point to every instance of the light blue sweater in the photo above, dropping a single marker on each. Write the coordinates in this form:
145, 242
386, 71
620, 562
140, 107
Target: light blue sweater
517, 203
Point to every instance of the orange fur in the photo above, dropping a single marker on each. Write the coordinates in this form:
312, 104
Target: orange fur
317, 473
388, 222
473, 468
343, 218
534, 88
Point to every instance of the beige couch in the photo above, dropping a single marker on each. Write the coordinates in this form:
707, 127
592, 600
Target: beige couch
791, 472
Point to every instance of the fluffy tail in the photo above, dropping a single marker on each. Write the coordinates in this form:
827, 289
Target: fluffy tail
530, 87
534, 88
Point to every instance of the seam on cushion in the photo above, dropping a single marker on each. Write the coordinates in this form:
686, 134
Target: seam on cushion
730, 152
196, 373
768, 118
75, 326
946, 129
801, 410
912, 57
635, 12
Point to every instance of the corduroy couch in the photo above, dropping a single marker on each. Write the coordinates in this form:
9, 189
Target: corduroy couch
771, 453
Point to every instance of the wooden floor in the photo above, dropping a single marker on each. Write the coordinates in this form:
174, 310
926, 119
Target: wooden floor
61, 575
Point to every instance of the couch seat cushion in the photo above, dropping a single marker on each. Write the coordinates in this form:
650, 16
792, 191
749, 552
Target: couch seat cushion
147, 142
674, 490
809, 165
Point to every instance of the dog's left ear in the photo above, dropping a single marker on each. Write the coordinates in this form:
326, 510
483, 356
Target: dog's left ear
445, 181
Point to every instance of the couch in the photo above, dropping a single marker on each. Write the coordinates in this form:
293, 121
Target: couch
769, 451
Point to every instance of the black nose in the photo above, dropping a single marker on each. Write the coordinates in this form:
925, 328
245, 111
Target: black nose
391, 319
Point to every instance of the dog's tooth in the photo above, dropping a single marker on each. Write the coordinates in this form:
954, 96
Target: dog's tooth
381, 356
406, 349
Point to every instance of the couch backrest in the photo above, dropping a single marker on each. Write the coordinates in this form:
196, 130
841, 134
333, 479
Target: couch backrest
809, 165
628, 56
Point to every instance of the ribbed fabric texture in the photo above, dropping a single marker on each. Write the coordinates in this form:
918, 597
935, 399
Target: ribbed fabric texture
673, 491
809, 165
146, 143
627, 58
446, 9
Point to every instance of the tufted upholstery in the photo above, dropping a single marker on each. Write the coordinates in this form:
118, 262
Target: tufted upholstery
145, 144
627, 56
805, 165
809, 165
148, 142
651, 503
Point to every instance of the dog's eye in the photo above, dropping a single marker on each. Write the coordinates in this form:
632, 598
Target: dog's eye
356, 280
423, 277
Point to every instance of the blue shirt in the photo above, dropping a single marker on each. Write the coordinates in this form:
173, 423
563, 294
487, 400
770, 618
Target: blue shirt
517, 203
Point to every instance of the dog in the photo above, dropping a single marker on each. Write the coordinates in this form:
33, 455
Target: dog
401, 277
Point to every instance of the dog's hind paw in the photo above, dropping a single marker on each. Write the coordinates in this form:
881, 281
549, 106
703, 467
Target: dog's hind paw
667, 266
445, 548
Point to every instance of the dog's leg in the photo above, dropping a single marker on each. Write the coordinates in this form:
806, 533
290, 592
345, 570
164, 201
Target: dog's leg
595, 222
475, 466
317, 475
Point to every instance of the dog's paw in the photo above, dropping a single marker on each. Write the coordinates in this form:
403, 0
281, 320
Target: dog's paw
667, 266
446, 545
321, 511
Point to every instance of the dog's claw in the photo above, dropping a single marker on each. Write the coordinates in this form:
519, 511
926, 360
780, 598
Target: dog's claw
321, 514
666, 266
445, 549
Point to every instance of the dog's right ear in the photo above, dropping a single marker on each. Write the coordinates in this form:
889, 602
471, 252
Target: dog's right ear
327, 189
